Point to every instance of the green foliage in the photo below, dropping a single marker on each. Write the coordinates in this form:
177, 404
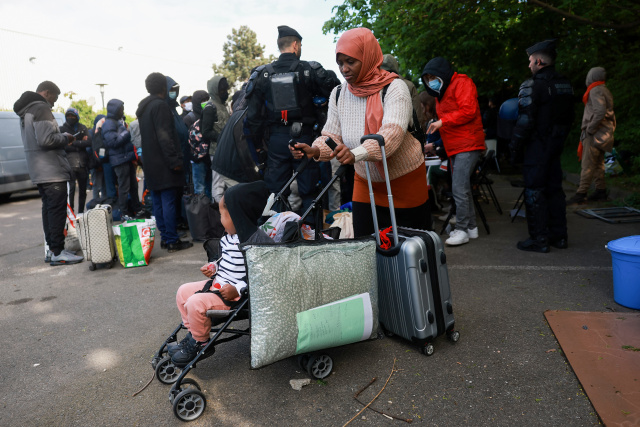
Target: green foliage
241, 54
486, 39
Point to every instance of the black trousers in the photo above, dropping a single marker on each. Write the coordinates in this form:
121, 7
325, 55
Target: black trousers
80, 175
127, 186
54, 214
545, 199
418, 217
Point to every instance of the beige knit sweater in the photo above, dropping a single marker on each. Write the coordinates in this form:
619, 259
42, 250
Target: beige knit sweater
345, 123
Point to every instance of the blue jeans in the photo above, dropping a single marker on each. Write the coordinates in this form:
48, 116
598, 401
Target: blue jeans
109, 180
164, 209
202, 178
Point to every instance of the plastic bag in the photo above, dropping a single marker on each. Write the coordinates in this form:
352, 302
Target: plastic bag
134, 241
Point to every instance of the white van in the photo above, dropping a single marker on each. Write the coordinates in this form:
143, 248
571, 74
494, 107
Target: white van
14, 175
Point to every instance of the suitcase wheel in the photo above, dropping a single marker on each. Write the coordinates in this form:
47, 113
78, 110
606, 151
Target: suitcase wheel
453, 336
92, 266
428, 349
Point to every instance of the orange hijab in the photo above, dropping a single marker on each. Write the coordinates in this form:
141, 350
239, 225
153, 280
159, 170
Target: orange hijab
361, 44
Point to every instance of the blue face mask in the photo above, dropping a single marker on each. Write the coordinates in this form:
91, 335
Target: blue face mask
173, 95
435, 84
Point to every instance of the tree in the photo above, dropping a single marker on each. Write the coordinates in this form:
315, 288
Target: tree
486, 39
242, 53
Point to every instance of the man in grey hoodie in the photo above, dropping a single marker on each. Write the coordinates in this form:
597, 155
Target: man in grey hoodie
214, 116
48, 166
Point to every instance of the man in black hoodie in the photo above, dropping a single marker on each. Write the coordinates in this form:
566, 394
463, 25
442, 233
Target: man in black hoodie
77, 156
48, 166
163, 160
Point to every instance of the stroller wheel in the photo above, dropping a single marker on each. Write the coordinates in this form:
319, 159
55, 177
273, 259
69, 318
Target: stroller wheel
319, 367
155, 361
185, 384
189, 405
167, 372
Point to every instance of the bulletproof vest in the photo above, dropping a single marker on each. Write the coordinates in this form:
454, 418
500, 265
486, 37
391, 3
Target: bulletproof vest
288, 99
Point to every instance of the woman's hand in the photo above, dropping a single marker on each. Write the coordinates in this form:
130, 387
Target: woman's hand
229, 292
301, 150
434, 126
344, 155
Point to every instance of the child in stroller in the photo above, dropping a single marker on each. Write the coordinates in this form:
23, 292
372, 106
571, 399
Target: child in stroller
240, 209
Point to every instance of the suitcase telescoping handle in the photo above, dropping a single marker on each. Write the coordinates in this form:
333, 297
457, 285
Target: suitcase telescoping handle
380, 140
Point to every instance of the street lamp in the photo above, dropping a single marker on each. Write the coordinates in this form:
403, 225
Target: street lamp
102, 85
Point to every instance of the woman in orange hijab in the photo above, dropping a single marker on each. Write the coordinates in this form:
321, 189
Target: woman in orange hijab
360, 110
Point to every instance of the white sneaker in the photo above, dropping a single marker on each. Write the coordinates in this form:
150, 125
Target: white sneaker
457, 237
473, 233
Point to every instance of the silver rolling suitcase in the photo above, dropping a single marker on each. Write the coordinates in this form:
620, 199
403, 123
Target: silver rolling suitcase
414, 297
95, 228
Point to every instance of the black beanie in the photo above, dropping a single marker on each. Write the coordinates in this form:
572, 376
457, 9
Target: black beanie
245, 203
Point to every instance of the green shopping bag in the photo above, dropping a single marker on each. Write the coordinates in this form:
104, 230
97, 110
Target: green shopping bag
134, 241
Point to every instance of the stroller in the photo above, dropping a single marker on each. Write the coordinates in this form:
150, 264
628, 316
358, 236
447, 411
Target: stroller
355, 276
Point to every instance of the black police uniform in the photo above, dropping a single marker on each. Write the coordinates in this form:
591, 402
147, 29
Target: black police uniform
311, 80
545, 117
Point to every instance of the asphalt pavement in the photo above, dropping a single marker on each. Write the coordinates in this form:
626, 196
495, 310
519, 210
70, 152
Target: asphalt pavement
78, 344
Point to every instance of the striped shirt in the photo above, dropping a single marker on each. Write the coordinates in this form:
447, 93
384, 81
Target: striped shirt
231, 268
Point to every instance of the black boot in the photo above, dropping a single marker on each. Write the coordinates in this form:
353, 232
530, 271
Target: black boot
559, 242
540, 245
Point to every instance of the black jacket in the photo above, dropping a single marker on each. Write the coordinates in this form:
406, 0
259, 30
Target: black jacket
77, 152
160, 145
233, 158
313, 80
545, 115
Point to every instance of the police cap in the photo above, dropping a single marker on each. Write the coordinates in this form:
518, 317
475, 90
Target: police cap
284, 31
547, 46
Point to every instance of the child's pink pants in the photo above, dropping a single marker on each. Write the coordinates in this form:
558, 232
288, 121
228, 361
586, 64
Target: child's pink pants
193, 308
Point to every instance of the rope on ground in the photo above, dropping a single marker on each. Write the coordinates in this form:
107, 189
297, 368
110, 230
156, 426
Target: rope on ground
393, 369
147, 385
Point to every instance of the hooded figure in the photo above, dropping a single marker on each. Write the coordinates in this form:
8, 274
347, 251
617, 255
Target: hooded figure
115, 135
440, 68
43, 142
215, 114
598, 125
173, 90
77, 156
199, 97
77, 151
245, 203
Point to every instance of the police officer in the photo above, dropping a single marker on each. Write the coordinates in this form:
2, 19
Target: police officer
279, 95
545, 104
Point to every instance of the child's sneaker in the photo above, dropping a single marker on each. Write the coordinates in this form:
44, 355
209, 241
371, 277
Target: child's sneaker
188, 352
173, 347
473, 233
457, 237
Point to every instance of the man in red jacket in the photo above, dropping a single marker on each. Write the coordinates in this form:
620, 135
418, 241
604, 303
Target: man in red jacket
460, 125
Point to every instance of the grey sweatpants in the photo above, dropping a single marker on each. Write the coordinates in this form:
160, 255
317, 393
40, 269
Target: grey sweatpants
463, 165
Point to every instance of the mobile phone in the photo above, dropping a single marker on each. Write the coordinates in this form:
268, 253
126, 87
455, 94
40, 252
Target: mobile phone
76, 135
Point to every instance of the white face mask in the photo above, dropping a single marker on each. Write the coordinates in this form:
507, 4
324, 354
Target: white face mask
188, 106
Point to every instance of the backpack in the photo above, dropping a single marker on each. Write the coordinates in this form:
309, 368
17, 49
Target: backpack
199, 148
414, 128
99, 151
